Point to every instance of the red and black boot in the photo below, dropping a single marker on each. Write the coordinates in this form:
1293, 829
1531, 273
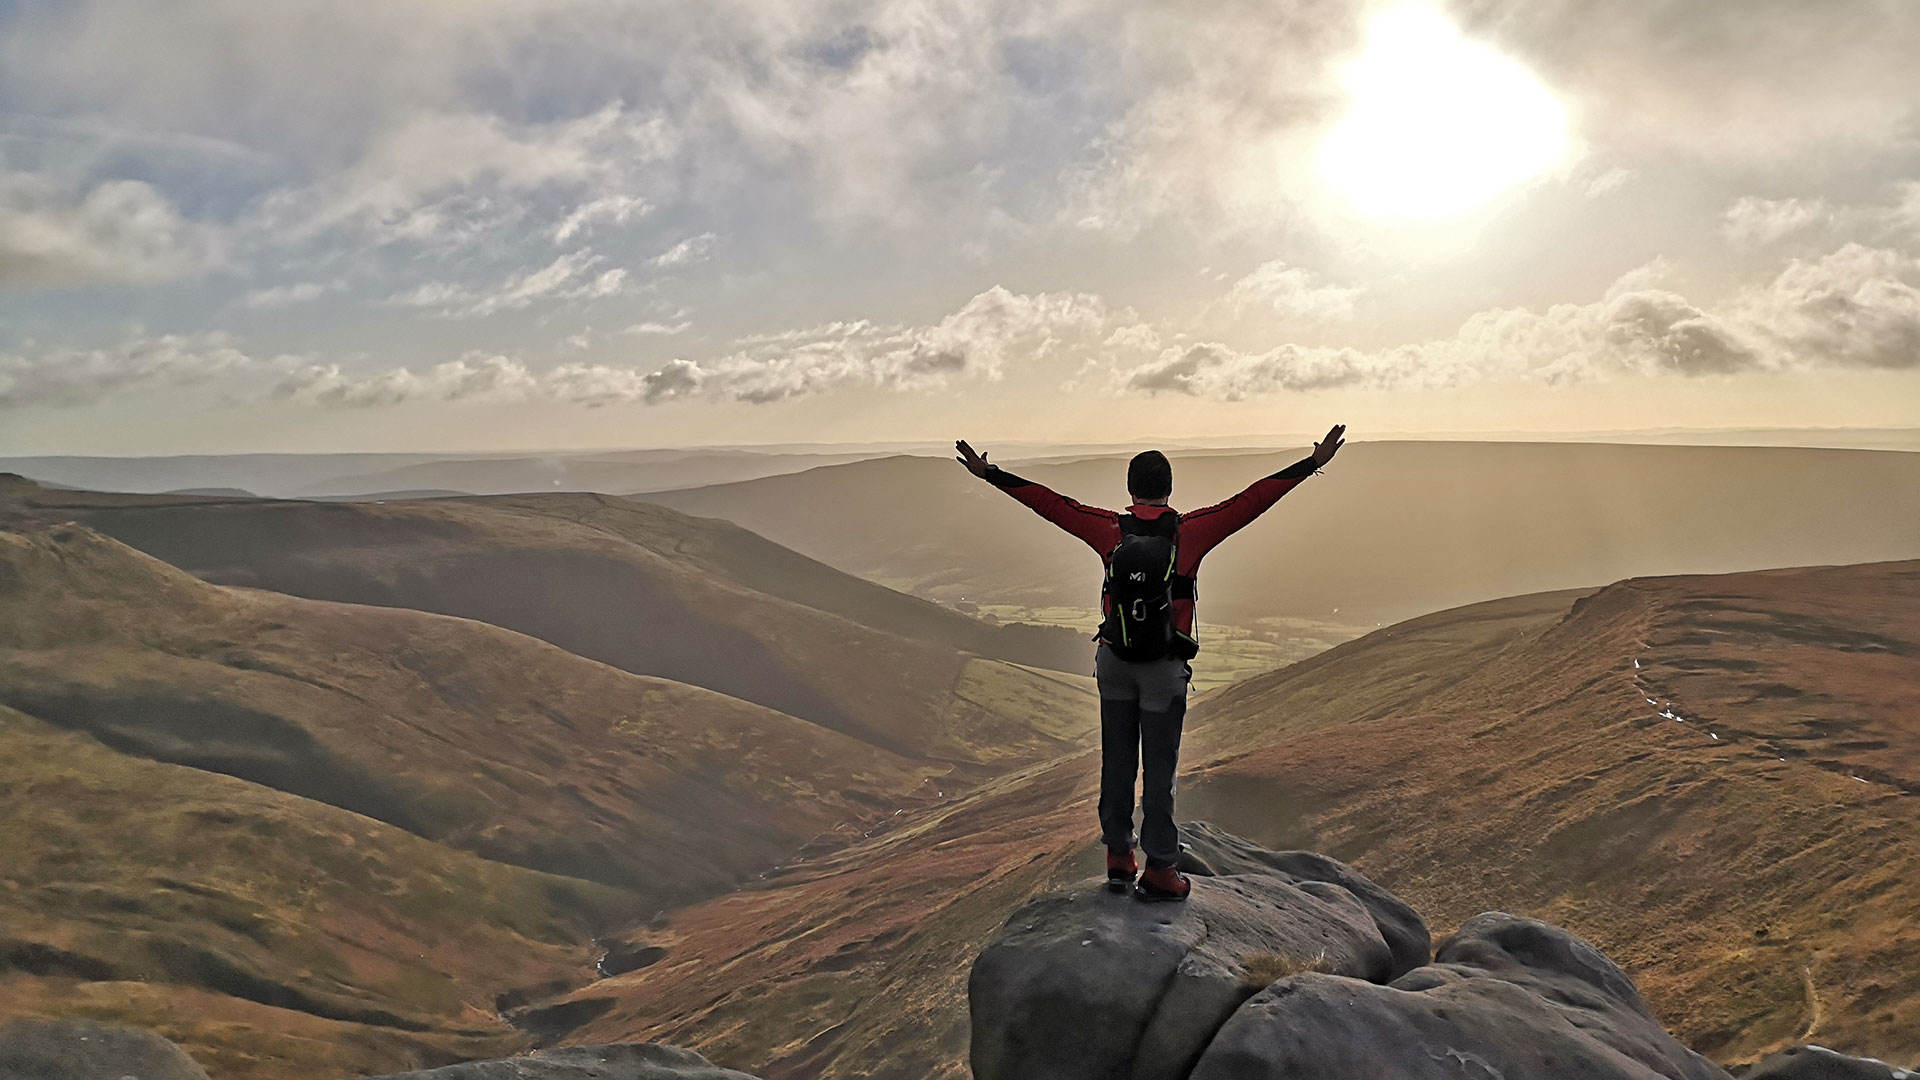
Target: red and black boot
1120, 868
1162, 883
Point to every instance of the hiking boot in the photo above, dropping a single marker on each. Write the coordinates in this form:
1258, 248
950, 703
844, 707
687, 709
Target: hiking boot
1120, 868
1162, 883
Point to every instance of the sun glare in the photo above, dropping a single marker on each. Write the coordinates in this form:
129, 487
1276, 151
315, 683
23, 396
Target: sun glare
1439, 124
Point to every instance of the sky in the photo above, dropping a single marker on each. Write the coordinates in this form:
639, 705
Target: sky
228, 226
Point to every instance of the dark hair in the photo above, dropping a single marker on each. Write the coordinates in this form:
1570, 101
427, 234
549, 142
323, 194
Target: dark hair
1149, 476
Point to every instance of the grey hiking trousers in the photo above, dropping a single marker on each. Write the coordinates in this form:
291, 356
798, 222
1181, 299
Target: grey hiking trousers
1142, 708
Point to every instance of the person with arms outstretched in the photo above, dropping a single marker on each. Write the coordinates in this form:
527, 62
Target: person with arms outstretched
1147, 636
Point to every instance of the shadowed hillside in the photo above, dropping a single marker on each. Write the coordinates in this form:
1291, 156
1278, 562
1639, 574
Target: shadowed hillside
1392, 530
642, 588
456, 731
1503, 754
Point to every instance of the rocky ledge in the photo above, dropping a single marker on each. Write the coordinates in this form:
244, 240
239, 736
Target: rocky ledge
1291, 964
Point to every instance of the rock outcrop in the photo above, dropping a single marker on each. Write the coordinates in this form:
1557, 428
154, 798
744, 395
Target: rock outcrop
1506, 997
618, 1061
1820, 1063
1291, 964
86, 1050
1089, 983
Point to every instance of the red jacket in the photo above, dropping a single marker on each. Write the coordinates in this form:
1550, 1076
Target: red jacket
1199, 531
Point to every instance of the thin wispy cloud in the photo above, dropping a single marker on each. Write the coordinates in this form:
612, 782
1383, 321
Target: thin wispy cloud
575, 276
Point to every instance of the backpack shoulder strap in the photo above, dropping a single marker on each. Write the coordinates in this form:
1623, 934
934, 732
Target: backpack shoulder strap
1167, 525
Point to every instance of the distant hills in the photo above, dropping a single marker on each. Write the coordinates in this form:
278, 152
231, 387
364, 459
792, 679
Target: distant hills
363, 475
1390, 531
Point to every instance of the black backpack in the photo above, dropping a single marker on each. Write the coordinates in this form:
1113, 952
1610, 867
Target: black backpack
1141, 588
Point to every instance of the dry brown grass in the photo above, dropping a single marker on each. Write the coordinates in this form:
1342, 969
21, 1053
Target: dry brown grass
1263, 969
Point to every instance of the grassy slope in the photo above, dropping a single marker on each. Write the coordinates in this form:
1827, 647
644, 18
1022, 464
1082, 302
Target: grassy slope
457, 731
1501, 755
1393, 530
1757, 900
182, 760
270, 935
149, 882
644, 589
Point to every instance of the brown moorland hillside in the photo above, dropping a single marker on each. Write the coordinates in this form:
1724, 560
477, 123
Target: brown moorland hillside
306, 838
456, 731
272, 936
642, 588
1503, 755
1393, 530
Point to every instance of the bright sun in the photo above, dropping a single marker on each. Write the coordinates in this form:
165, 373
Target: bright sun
1439, 124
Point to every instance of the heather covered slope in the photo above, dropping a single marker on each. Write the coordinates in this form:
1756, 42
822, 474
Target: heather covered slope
260, 823
456, 731
1743, 841
641, 588
1499, 755
1393, 530
272, 936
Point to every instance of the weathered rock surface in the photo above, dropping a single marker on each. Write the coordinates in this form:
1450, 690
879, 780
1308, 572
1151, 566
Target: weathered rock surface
1213, 851
86, 1050
1089, 983
618, 1061
1507, 997
1820, 1063
1290, 966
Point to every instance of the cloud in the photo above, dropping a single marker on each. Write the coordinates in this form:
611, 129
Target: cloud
693, 249
1857, 307
74, 378
1764, 81
1290, 292
120, 230
287, 295
978, 341
472, 376
443, 177
1216, 115
1217, 371
618, 209
658, 329
1755, 222
1609, 181
570, 277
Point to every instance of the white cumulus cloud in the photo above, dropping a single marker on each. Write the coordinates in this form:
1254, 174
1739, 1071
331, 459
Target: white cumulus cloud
120, 230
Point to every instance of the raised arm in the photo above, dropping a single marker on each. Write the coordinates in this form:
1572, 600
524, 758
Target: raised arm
1099, 529
1202, 529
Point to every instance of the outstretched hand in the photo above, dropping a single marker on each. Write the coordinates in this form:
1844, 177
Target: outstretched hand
1324, 450
975, 463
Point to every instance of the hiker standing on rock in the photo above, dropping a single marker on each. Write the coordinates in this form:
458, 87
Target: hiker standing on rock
1152, 553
